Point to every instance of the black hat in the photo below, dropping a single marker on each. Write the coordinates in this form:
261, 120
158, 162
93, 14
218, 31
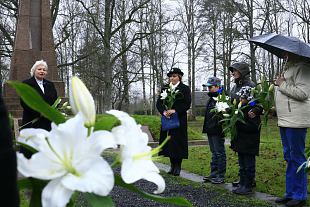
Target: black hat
175, 71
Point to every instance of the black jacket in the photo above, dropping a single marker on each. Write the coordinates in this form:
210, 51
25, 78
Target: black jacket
248, 135
177, 146
212, 124
8, 173
49, 95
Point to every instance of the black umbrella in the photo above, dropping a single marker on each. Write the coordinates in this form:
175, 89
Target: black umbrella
279, 44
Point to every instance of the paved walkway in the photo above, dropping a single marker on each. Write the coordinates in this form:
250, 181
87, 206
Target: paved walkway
228, 186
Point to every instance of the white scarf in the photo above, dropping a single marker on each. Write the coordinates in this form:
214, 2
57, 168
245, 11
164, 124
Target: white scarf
174, 86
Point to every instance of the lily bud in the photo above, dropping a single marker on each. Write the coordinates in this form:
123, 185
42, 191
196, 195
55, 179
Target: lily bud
64, 105
239, 105
82, 101
271, 87
235, 102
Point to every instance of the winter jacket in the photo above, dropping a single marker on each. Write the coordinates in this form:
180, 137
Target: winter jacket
248, 134
292, 97
212, 125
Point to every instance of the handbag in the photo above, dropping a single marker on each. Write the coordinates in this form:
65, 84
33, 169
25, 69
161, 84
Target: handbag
170, 123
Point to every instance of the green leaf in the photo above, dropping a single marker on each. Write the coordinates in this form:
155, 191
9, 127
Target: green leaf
98, 201
178, 201
24, 183
33, 99
37, 188
28, 147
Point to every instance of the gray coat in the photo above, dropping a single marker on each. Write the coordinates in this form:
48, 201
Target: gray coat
292, 97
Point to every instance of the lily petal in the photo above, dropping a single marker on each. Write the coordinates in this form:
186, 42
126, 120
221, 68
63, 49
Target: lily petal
55, 194
39, 166
158, 180
133, 171
102, 140
33, 137
98, 178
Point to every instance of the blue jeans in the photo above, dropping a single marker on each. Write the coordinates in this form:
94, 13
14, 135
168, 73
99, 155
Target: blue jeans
218, 160
293, 141
247, 167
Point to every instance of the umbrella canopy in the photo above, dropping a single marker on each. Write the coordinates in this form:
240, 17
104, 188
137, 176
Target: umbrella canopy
279, 44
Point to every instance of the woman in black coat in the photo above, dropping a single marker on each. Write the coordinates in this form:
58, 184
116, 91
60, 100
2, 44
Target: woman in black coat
8, 173
32, 118
177, 147
48, 92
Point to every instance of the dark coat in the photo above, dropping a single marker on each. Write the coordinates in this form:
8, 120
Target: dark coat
177, 146
211, 124
8, 173
49, 95
248, 135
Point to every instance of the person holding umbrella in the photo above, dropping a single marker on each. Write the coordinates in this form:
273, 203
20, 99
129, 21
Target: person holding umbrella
292, 101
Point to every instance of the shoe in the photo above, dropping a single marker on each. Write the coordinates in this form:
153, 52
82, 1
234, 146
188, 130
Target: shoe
295, 203
235, 183
217, 180
176, 171
170, 172
207, 179
283, 200
242, 190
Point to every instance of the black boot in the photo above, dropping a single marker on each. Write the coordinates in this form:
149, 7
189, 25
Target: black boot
172, 167
177, 169
245, 187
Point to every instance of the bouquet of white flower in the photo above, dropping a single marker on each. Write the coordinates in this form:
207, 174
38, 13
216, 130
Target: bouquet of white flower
264, 94
229, 113
169, 96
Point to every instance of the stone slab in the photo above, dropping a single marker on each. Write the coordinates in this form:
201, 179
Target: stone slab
146, 130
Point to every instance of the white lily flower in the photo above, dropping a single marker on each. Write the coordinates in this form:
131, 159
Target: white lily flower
70, 159
82, 101
221, 106
32, 137
164, 95
136, 156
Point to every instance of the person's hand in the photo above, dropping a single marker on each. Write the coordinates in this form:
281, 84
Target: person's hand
171, 111
251, 114
166, 114
279, 80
